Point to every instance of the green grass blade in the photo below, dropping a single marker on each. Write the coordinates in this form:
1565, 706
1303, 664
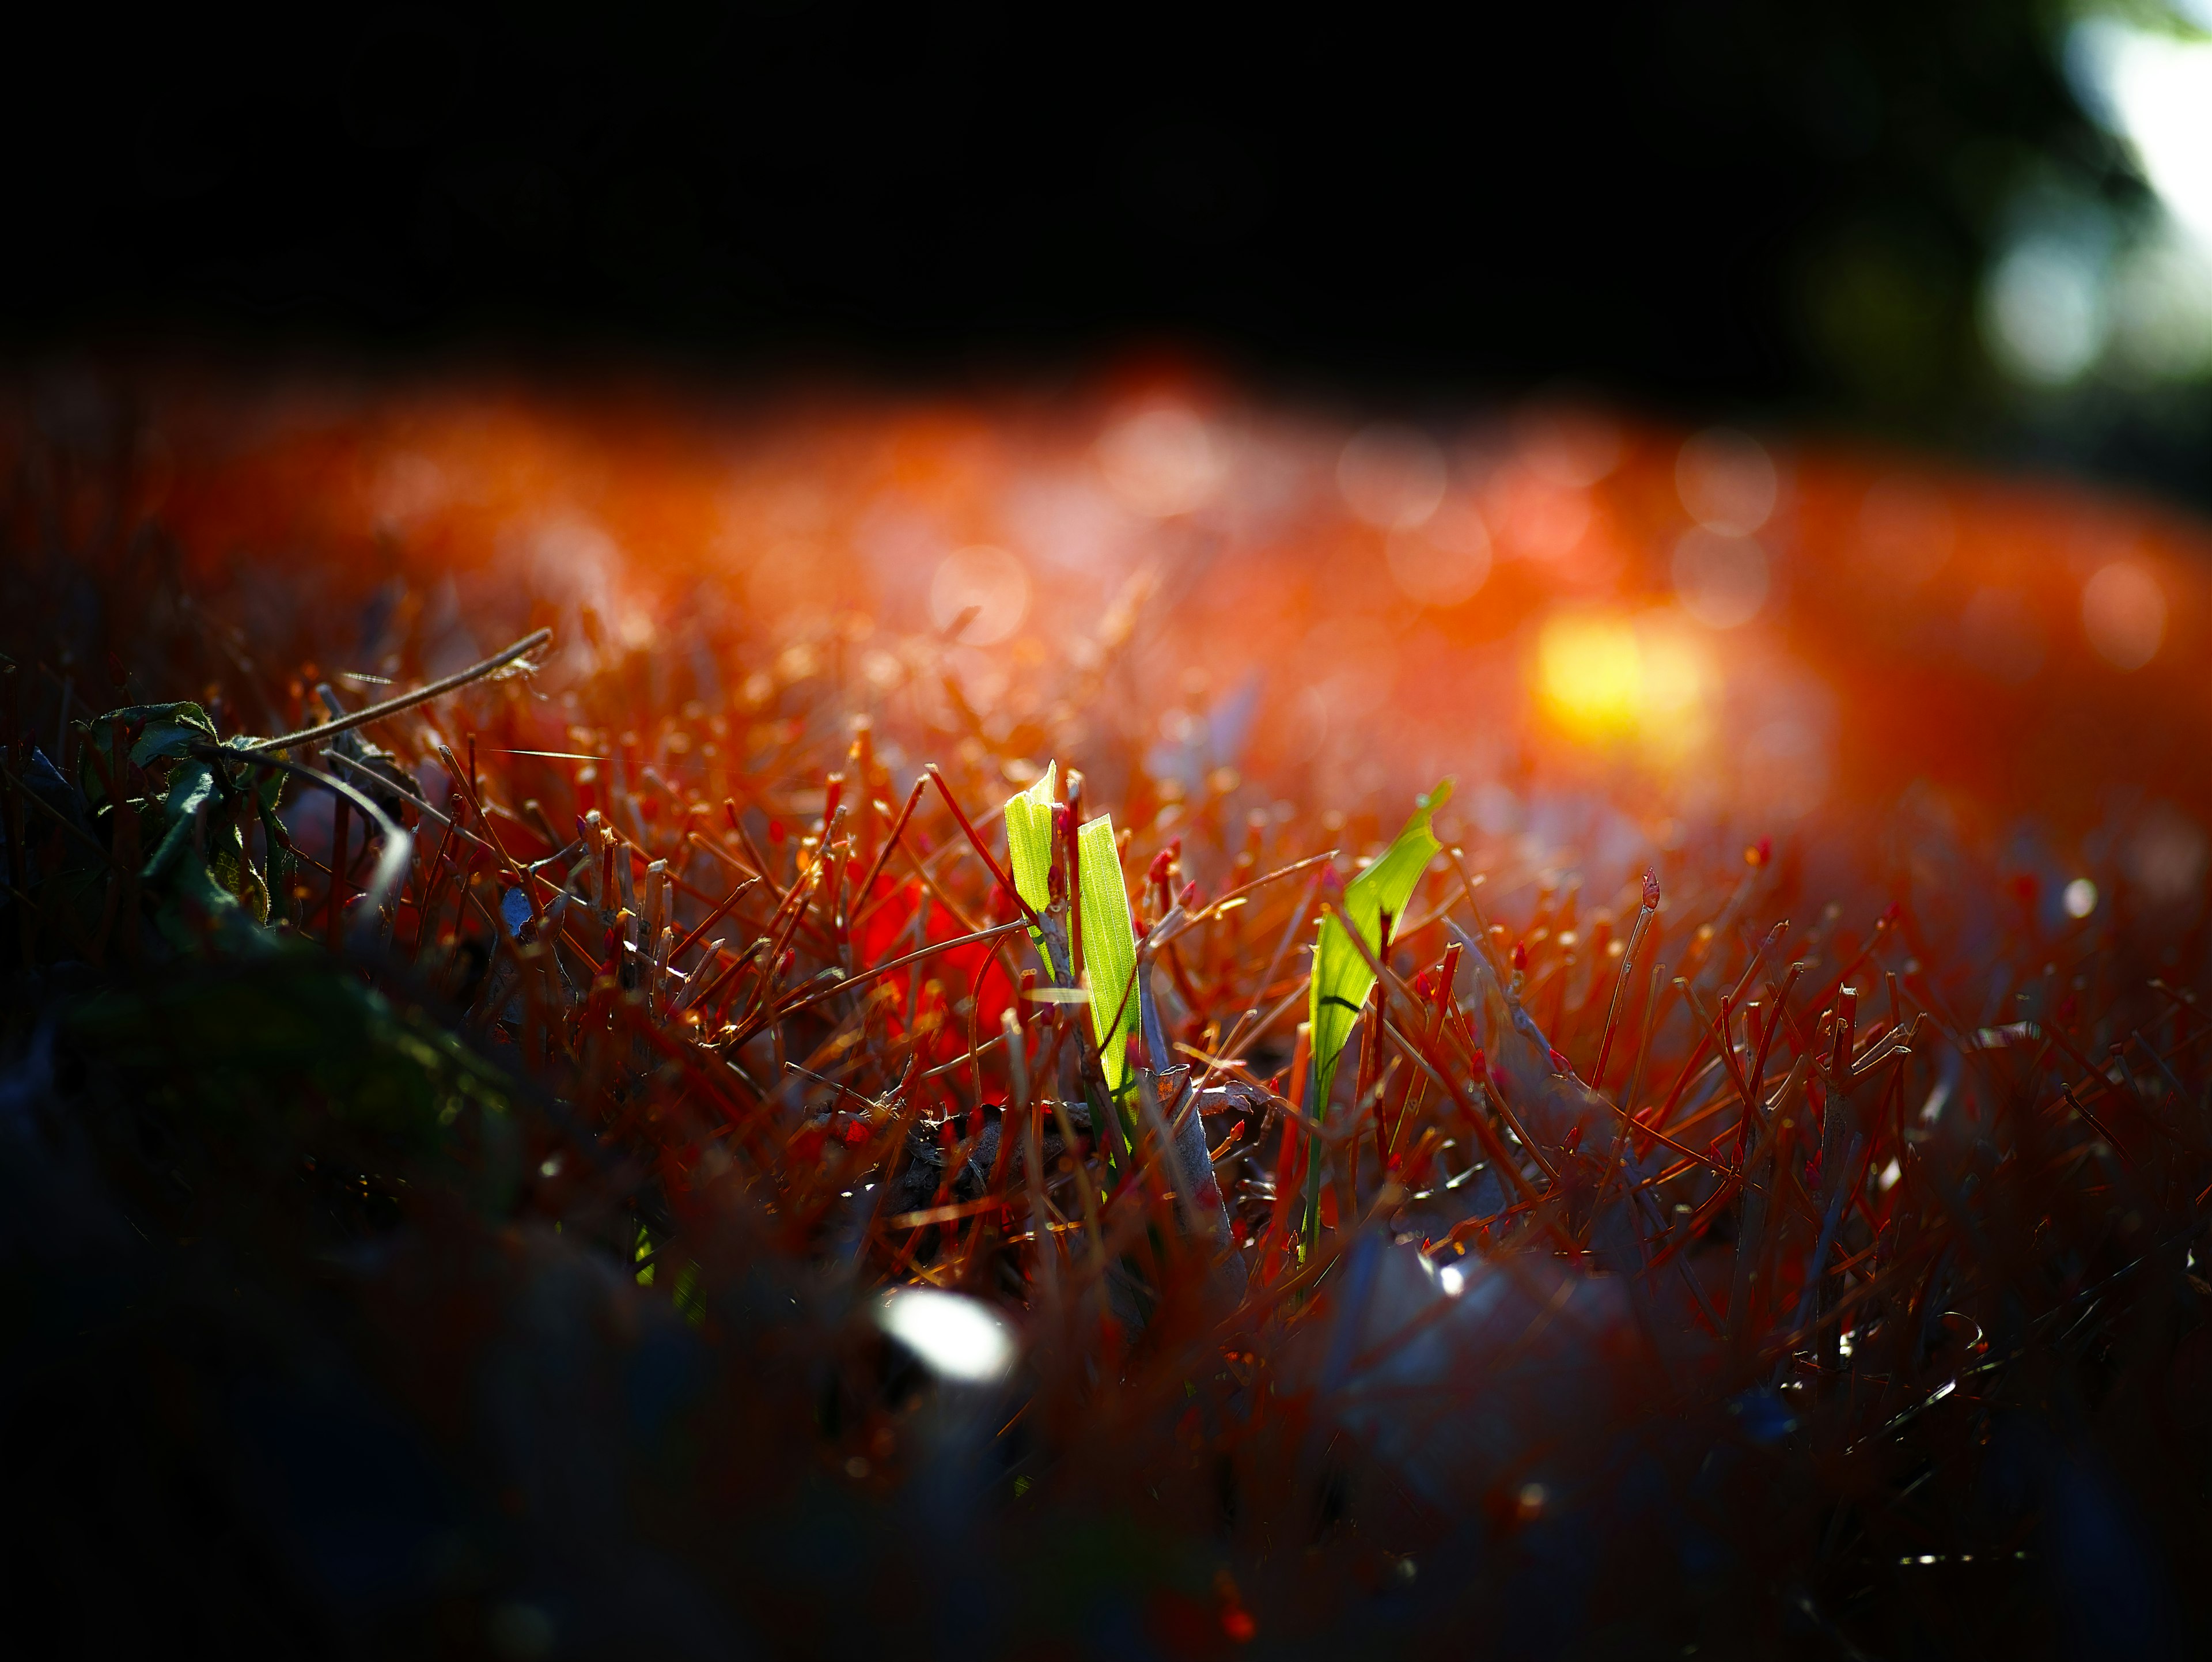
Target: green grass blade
1340, 976
1109, 947
1029, 850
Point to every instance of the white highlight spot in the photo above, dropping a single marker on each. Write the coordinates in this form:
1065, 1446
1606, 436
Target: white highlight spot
956, 1336
1932, 1109
1453, 1279
2081, 897
2153, 89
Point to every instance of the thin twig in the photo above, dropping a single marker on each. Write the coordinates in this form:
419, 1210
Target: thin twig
406, 700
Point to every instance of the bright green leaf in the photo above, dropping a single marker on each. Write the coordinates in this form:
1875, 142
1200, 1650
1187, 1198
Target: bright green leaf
1109, 947
1029, 849
1341, 977
1029, 837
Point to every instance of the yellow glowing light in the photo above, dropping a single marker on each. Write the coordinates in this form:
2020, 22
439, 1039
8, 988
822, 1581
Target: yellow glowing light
1602, 678
1591, 672
1675, 697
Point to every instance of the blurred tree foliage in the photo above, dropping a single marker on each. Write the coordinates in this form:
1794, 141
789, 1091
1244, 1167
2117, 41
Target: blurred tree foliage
1714, 205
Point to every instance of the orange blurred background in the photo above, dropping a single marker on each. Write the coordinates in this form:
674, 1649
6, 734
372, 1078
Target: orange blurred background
1698, 623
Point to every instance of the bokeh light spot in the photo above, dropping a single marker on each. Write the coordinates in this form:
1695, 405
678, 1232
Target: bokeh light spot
1443, 562
1538, 517
1727, 481
2081, 897
1571, 447
2165, 857
988, 580
1721, 580
2123, 614
1392, 475
2043, 312
1161, 461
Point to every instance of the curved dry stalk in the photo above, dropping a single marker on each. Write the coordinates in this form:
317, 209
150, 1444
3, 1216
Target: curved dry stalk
406, 700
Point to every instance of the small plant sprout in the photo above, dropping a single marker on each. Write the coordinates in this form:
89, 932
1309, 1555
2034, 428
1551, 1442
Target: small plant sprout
1030, 852
1109, 949
1342, 975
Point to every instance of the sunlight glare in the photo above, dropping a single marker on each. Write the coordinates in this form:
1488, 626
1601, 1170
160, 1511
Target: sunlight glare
1601, 678
2154, 90
1590, 671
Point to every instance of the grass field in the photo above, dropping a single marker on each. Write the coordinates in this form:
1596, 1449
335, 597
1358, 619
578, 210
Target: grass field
622, 1153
